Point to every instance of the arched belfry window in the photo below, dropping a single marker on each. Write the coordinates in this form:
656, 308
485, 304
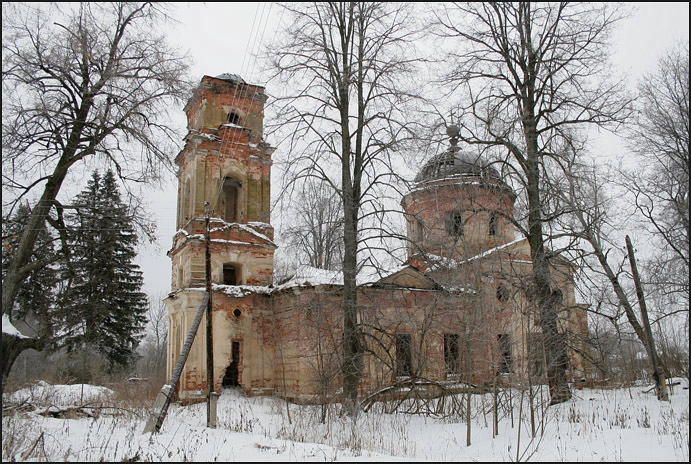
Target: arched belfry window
231, 194
455, 224
233, 118
187, 202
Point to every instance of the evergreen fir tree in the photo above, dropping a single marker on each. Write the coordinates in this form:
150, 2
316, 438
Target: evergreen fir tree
36, 296
105, 300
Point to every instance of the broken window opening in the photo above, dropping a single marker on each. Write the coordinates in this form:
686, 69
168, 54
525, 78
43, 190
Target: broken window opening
187, 207
231, 192
404, 356
505, 358
493, 224
417, 230
233, 118
232, 375
502, 293
455, 227
231, 274
451, 353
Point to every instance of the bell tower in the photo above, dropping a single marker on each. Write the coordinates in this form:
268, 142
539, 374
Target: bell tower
224, 172
224, 167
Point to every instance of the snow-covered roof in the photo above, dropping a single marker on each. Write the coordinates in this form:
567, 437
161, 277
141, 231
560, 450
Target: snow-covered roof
203, 135
9, 328
243, 227
235, 126
241, 290
458, 179
230, 77
306, 276
229, 225
493, 250
440, 262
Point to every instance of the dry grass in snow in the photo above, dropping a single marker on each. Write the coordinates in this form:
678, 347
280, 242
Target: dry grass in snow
598, 425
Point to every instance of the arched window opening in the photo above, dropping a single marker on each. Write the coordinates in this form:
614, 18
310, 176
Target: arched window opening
404, 357
231, 274
231, 192
233, 118
502, 293
417, 227
493, 224
505, 354
232, 375
187, 202
455, 225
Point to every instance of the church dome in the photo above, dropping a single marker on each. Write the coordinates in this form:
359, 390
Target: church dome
455, 163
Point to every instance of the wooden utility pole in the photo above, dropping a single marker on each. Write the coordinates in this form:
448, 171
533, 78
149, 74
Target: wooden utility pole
210, 394
165, 396
658, 372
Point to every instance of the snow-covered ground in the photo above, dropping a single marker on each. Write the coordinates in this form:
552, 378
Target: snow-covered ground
599, 425
46, 394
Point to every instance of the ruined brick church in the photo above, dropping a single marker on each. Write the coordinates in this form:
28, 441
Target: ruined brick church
457, 310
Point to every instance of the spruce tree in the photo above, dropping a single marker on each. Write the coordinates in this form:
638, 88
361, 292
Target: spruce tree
105, 301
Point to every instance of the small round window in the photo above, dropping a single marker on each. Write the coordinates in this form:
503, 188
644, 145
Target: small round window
237, 312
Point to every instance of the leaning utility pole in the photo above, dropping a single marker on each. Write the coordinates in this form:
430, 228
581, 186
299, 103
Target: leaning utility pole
165, 396
210, 394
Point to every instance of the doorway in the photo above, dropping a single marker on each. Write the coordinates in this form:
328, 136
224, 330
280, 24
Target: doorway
232, 375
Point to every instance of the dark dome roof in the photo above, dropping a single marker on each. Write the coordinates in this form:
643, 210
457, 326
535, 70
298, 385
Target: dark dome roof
452, 163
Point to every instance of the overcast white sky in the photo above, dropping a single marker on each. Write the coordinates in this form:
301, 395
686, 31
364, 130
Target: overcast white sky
224, 37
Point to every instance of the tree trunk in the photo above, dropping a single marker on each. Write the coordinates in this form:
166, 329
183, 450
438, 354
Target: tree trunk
19, 268
351, 340
658, 372
546, 298
12, 346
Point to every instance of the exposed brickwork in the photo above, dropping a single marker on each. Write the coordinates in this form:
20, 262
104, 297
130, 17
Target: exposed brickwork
291, 339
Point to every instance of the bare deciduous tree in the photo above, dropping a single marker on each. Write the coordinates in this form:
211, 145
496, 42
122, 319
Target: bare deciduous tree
92, 81
317, 233
592, 222
345, 66
156, 341
660, 184
533, 76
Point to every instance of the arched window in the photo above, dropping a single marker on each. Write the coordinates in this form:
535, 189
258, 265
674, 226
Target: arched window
233, 118
231, 192
187, 203
455, 224
404, 357
493, 223
502, 293
417, 232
